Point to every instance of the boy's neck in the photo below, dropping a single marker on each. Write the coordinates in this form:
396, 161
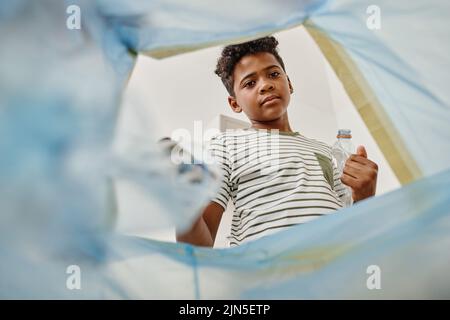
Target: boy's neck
281, 124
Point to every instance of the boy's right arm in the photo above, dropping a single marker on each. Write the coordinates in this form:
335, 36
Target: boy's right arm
203, 231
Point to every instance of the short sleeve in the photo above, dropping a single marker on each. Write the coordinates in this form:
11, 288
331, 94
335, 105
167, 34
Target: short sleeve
220, 157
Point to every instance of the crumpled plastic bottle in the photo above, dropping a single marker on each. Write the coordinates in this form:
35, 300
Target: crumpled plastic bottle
341, 150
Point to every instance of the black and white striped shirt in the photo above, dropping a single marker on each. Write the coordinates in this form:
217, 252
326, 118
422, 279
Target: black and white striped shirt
274, 179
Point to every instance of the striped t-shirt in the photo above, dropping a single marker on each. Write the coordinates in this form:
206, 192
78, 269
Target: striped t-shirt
274, 179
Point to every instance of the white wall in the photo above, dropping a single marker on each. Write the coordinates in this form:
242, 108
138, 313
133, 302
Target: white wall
174, 92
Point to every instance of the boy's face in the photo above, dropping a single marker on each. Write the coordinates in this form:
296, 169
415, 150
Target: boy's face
262, 89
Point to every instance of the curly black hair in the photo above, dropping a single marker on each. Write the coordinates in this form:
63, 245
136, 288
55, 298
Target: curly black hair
233, 53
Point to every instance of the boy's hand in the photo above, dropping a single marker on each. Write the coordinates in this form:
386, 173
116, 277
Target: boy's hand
361, 175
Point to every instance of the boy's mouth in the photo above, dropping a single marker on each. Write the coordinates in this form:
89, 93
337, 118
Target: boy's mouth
270, 98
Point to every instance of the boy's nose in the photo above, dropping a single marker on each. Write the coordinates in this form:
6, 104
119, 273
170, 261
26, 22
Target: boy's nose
266, 86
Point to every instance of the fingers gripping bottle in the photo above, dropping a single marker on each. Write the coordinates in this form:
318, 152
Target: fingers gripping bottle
341, 150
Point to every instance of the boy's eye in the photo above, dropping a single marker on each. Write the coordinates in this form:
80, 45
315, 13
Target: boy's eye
249, 84
275, 74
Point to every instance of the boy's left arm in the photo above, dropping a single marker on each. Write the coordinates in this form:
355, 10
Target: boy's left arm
360, 174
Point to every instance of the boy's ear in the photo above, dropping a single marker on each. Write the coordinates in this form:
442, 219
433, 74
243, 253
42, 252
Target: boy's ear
291, 88
234, 105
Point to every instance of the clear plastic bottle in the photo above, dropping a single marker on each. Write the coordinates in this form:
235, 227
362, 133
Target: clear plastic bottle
341, 150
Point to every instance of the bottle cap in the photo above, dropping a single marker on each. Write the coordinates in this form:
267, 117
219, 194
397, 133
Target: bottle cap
344, 133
